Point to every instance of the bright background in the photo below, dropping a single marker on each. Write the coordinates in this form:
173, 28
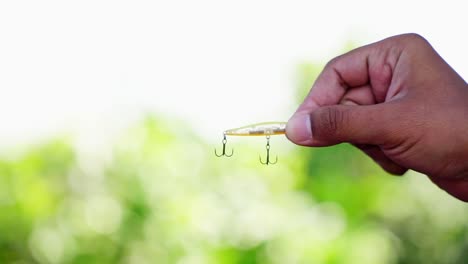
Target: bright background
110, 111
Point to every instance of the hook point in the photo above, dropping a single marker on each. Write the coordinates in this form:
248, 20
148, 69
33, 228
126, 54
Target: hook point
224, 149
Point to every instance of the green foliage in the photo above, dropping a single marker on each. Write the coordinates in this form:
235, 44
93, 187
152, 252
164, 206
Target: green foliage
159, 195
329, 205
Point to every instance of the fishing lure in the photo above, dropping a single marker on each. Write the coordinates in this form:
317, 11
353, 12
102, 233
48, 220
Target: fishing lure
266, 129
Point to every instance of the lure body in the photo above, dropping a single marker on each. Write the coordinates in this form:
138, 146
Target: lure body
266, 129
259, 129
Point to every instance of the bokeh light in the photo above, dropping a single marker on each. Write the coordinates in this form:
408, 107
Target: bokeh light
111, 111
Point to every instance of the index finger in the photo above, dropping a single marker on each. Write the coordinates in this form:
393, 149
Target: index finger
370, 65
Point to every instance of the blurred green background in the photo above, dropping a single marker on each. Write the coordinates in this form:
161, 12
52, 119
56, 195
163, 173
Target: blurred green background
110, 111
161, 196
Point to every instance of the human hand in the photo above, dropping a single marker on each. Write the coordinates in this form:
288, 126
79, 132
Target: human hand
399, 102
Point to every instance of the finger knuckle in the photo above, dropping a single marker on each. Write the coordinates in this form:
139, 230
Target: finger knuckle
333, 62
414, 39
331, 120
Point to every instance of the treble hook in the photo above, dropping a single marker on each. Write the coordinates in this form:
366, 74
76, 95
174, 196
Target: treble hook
224, 148
268, 154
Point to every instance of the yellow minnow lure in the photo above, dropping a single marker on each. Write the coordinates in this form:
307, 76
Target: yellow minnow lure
259, 129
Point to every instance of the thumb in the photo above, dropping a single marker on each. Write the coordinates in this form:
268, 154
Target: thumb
330, 125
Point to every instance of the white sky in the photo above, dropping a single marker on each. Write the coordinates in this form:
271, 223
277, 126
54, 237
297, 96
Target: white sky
94, 66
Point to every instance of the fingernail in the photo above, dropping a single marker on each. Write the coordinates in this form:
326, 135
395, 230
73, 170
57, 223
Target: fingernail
298, 129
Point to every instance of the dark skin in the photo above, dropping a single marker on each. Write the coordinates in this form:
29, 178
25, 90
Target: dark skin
399, 102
